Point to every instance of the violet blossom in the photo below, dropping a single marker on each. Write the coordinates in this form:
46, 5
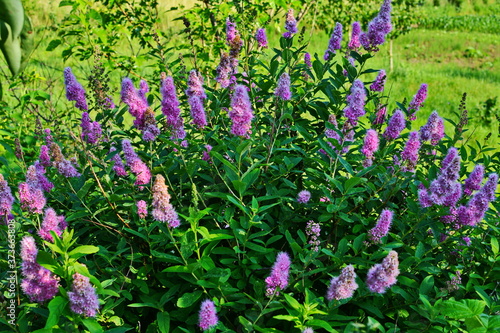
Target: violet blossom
378, 84
283, 88
433, 130
138, 167
261, 37
74, 90
163, 211
382, 276
370, 146
410, 152
83, 298
170, 108
241, 112
382, 227
417, 101
334, 43
356, 102
354, 43
396, 124
207, 318
278, 280
342, 286
290, 24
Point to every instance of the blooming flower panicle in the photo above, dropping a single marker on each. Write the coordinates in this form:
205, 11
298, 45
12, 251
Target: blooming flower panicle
303, 197
382, 276
290, 24
83, 298
478, 205
197, 111
308, 330
74, 90
43, 182
335, 42
241, 112
143, 90
307, 59
380, 115
378, 84
342, 286
207, 317
433, 130
118, 166
151, 130
142, 209
206, 153
195, 85
313, 231
163, 211
31, 198
410, 152
382, 227
473, 182
283, 89
356, 102
6, 198
91, 130
231, 31
417, 101
137, 106
44, 157
138, 167
170, 108
261, 37
378, 28
64, 166
224, 71
445, 189
370, 146
279, 275
354, 43
52, 222
396, 124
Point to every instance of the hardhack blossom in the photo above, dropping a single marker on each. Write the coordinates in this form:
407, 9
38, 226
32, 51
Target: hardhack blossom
91, 130
197, 111
370, 146
142, 209
380, 115
382, 227
378, 84
150, 130
342, 286
31, 195
433, 130
44, 157
118, 166
454, 283
83, 298
143, 90
279, 275
241, 112
417, 101
307, 59
396, 124
138, 167
313, 230
335, 42
473, 182
261, 37
52, 222
74, 90
231, 31
170, 108
382, 276
64, 166
163, 211
356, 102
283, 89
224, 71
410, 152
378, 28
195, 85
137, 105
206, 153
308, 330
6, 198
38, 283
354, 43
207, 317
290, 24
303, 197
43, 182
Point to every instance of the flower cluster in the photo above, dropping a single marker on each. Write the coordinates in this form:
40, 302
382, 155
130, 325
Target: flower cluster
378, 28
356, 102
409, 155
138, 167
304, 196
382, 227
433, 130
64, 166
207, 317
74, 90
261, 37
137, 104
163, 211
170, 108
283, 89
396, 124
83, 297
290, 24
279, 275
118, 166
378, 84
342, 286
370, 146
335, 42
417, 101
313, 231
241, 112
91, 130
6, 198
382, 276
52, 222
354, 42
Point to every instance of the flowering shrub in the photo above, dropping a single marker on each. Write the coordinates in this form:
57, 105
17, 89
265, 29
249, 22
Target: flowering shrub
277, 199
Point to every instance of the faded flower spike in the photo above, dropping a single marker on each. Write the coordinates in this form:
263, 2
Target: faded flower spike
342, 286
163, 211
74, 90
208, 315
261, 37
83, 297
335, 42
290, 24
279, 275
382, 228
382, 276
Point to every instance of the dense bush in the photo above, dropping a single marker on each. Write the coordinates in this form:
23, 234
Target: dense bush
286, 195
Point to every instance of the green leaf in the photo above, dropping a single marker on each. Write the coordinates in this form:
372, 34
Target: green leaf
53, 44
460, 310
46, 260
426, 285
292, 302
494, 245
56, 307
189, 299
163, 320
92, 325
285, 317
247, 325
321, 323
83, 250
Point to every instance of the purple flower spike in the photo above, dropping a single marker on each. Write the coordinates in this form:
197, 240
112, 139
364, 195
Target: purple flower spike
52, 222
313, 231
6, 198
224, 71
163, 211
378, 28
378, 84
91, 130
118, 166
231, 31
279, 275
370, 146
197, 111
83, 297
380, 116
136, 104
356, 103
138, 167
335, 42
44, 156
290, 24
417, 101
396, 124
142, 209
170, 108
473, 182
382, 228
410, 152
342, 286
206, 153
283, 90
143, 90
261, 37
208, 315
303, 197
74, 90
307, 59
477, 206
382, 276
241, 112
195, 85
433, 130
354, 43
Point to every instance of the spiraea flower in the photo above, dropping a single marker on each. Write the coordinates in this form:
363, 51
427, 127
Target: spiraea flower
335, 42
207, 317
473, 182
44, 157
74, 90
279, 275
382, 276
478, 205
43, 182
433, 130
417, 101
313, 230
261, 38
354, 43
370, 146
396, 124
409, 155
206, 153
307, 59
241, 112
150, 130
163, 211
52, 222
38, 283
445, 189
197, 111
378, 28
143, 90
380, 115
83, 298
91, 130
118, 166
170, 108
64, 166
342, 286
224, 71
138, 167
290, 24
378, 84
6, 198
142, 209
195, 85
303, 197
382, 227
231, 31
356, 102
308, 330
283, 88
137, 105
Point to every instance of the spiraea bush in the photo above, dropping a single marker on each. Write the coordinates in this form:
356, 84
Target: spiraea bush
286, 192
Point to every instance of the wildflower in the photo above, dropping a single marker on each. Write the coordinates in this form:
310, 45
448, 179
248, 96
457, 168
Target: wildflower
118, 166
380, 115
48, 137
206, 156
313, 231
445, 189
136, 104
307, 59
342, 286
241, 112
197, 111
38, 283
378, 28
473, 182
382, 276
396, 124
467, 241
44, 156
74, 90
290, 24
356, 102
356, 31
370, 146
303, 197
65, 167
454, 283
231, 31
382, 228
417, 101
52, 222
308, 330
150, 130
261, 37
332, 133
143, 90
224, 71
170, 108
283, 89
6, 197
378, 84
477, 206
433, 130
163, 211
195, 85
142, 209
83, 297
43, 182
279, 275
138, 167
335, 42
208, 315
91, 131
410, 152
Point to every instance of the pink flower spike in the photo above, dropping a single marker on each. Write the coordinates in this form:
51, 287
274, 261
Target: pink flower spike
279, 275
208, 315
